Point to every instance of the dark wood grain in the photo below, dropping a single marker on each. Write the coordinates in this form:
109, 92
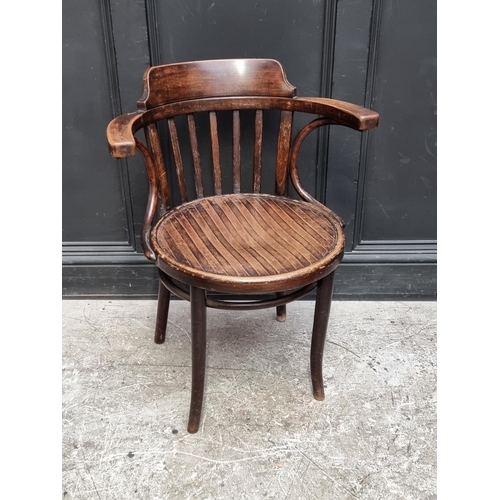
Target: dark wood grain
198, 357
343, 113
257, 152
152, 201
176, 149
281, 310
235, 243
120, 131
294, 155
239, 305
321, 315
214, 141
236, 152
247, 239
198, 175
216, 78
162, 313
120, 134
284, 136
161, 173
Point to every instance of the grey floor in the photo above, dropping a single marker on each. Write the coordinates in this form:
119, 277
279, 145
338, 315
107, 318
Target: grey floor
262, 435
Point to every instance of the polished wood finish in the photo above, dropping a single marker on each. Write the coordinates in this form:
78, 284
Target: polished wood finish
162, 313
257, 152
214, 136
153, 141
152, 201
321, 316
179, 168
236, 152
120, 131
281, 298
247, 243
285, 131
280, 310
198, 175
216, 78
199, 354
120, 134
237, 243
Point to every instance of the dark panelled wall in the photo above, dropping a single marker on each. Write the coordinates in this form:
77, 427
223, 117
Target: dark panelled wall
377, 53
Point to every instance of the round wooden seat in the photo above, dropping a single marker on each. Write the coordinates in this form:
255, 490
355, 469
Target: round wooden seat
248, 243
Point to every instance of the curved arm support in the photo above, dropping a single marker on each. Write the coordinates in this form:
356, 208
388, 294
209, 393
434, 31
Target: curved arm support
152, 201
294, 154
342, 112
120, 134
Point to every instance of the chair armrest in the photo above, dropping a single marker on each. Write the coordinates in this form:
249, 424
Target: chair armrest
344, 113
120, 134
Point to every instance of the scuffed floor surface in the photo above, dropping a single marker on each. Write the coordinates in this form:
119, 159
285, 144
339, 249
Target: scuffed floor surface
262, 436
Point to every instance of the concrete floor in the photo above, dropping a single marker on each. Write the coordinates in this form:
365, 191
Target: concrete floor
263, 435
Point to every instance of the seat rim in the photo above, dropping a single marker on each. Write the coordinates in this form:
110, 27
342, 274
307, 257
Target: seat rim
252, 284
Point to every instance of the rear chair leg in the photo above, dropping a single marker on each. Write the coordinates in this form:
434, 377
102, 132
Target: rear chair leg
281, 310
199, 343
321, 316
162, 313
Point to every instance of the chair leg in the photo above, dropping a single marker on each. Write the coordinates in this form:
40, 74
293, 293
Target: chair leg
321, 316
162, 313
281, 310
199, 343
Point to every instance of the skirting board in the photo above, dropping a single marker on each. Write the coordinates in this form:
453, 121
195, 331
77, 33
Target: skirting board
353, 281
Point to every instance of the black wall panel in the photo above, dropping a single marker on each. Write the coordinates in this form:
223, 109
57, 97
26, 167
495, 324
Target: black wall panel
399, 198
92, 191
376, 53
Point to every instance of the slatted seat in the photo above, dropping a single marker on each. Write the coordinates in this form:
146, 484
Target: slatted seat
227, 241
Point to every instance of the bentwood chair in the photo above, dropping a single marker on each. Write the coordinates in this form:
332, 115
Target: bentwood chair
233, 242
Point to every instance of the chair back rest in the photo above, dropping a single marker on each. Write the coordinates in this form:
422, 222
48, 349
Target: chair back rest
204, 104
214, 78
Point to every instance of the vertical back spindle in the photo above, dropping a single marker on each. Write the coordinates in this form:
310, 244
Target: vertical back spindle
257, 152
153, 140
236, 152
178, 159
283, 152
198, 176
214, 136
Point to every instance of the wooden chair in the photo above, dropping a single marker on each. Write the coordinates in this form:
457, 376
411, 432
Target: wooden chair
233, 243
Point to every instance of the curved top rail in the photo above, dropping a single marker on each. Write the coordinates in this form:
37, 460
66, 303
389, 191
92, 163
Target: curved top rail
215, 78
121, 130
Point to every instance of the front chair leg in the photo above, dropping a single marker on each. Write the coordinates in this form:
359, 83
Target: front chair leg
162, 313
321, 316
199, 343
